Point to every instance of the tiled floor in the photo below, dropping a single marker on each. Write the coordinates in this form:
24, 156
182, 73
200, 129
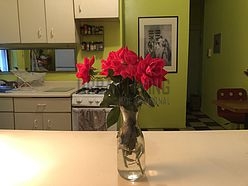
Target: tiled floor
196, 120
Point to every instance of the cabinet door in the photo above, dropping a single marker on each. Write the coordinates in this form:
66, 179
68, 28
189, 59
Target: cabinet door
9, 28
6, 120
96, 8
60, 21
28, 121
32, 21
6, 104
57, 121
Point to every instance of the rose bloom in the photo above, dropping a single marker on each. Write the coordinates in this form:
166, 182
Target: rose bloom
123, 62
150, 72
83, 69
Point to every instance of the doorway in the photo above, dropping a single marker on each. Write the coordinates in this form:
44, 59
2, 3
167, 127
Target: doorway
195, 55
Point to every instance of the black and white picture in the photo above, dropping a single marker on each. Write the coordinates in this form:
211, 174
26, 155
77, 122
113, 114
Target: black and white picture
158, 37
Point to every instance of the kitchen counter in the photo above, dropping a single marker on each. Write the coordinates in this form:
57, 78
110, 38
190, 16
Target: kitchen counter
49, 89
181, 158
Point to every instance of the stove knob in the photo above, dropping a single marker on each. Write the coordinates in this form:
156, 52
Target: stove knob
90, 102
97, 102
79, 101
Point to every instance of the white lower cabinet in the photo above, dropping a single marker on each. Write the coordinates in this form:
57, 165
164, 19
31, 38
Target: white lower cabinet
57, 121
6, 120
26, 121
43, 121
6, 113
42, 113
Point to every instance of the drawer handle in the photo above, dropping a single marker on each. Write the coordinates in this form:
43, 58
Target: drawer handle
35, 124
41, 105
49, 124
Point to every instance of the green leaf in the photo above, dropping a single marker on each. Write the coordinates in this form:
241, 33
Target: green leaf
111, 96
147, 97
115, 79
113, 116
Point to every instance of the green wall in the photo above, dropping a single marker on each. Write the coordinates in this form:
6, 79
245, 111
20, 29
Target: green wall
224, 69
171, 112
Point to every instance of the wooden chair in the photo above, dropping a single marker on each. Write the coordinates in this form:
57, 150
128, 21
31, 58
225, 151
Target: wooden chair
231, 94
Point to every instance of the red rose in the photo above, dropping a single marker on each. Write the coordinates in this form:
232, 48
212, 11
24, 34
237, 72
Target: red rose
150, 72
84, 69
123, 62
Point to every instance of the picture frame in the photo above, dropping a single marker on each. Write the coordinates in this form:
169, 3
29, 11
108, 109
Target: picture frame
158, 36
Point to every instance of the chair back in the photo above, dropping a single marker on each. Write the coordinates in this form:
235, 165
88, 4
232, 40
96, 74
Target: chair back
231, 94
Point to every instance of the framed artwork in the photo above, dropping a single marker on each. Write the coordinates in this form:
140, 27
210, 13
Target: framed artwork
158, 37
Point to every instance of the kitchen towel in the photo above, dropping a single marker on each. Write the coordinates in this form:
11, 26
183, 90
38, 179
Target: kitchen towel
89, 119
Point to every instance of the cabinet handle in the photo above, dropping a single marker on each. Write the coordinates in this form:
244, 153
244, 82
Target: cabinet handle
39, 33
41, 106
52, 33
35, 124
79, 9
49, 124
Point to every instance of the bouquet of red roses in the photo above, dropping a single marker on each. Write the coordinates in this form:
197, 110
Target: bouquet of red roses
131, 77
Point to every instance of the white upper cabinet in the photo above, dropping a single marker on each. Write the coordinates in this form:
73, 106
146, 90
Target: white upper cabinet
46, 21
9, 29
60, 21
32, 21
96, 8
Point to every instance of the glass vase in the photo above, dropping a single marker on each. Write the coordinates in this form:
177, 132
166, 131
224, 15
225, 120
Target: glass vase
130, 147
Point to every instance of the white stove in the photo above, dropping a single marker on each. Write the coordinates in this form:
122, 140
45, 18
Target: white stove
86, 111
90, 95
87, 100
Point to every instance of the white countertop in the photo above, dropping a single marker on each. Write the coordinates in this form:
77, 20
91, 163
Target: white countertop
49, 89
182, 158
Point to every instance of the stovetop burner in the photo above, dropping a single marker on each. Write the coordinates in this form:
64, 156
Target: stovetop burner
92, 90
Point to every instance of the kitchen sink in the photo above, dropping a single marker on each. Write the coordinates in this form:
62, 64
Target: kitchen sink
59, 89
3, 89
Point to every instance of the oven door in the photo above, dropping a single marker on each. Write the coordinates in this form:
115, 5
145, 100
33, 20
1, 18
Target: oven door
90, 119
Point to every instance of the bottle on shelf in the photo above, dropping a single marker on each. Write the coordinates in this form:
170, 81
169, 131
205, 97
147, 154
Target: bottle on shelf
88, 31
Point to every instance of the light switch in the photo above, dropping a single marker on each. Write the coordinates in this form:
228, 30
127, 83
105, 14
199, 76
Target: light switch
209, 53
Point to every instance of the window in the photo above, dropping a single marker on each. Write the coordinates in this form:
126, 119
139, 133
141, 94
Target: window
3, 61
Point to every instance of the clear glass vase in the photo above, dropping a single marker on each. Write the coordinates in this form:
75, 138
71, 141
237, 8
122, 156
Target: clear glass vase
130, 147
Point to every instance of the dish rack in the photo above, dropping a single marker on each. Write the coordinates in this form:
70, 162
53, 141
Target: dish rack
29, 79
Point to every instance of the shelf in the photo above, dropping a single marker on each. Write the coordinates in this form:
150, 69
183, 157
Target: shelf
92, 46
92, 38
86, 35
